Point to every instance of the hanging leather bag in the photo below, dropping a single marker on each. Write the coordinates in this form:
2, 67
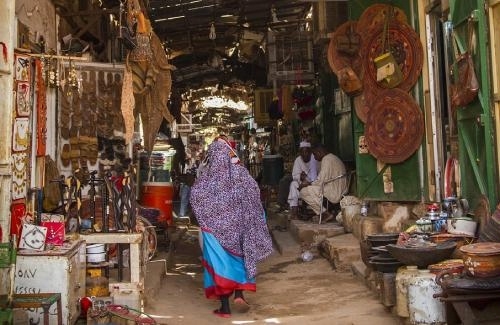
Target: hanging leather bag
464, 83
349, 81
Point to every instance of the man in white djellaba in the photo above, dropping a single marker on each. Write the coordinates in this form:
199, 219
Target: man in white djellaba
305, 171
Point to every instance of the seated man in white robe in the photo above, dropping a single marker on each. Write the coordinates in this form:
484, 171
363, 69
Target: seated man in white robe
331, 166
305, 170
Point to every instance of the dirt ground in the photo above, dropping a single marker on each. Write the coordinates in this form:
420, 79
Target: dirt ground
289, 291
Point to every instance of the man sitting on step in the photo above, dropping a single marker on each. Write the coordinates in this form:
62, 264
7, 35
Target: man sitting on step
331, 167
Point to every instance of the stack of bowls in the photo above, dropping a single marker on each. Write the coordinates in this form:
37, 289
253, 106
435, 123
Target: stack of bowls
380, 259
96, 253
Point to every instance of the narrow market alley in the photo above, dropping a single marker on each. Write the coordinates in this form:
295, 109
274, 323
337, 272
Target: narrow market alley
289, 291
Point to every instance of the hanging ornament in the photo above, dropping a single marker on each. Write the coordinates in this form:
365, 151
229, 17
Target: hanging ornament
212, 35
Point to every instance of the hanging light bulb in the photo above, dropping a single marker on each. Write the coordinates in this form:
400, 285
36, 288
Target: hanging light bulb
212, 35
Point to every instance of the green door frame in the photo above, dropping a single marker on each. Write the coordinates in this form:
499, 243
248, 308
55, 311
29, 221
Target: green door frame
476, 134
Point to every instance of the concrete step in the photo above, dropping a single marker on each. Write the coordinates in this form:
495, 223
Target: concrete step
307, 232
342, 251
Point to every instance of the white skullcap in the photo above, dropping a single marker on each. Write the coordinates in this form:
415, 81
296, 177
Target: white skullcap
305, 144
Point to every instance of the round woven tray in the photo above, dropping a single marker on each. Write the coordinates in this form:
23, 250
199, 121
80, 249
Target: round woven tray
405, 46
338, 60
394, 127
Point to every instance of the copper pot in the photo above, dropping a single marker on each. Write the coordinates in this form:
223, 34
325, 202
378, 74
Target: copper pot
481, 260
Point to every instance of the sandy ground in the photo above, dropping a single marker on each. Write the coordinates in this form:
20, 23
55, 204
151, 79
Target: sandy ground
289, 291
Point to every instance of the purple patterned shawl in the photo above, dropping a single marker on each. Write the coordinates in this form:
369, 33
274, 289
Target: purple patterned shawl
226, 201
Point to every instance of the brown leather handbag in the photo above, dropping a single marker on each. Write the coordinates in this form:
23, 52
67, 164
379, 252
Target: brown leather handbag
464, 83
349, 81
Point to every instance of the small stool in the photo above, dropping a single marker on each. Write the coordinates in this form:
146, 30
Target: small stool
39, 300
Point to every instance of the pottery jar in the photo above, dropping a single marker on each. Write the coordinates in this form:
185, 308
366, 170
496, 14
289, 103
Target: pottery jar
482, 260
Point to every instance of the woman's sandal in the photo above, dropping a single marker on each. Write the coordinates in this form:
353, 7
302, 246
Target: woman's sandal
241, 305
219, 313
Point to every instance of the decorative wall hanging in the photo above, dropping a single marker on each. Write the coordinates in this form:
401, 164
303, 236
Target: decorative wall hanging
20, 134
404, 45
23, 99
338, 59
55, 228
394, 127
17, 215
33, 237
19, 172
41, 111
375, 15
22, 68
347, 40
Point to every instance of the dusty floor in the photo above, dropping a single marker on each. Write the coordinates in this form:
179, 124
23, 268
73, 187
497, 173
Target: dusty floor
289, 291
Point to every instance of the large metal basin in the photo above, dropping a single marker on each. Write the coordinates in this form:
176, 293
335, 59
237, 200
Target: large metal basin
422, 256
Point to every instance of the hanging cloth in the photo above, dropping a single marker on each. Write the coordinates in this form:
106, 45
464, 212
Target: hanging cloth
41, 111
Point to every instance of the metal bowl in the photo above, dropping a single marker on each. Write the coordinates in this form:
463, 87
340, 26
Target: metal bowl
422, 256
385, 266
382, 239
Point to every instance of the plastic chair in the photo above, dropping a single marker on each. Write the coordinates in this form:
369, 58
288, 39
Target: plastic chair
348, 176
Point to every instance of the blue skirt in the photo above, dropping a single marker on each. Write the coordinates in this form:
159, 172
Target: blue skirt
224, 272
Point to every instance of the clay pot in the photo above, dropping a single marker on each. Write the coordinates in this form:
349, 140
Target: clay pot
482, 260
453, 266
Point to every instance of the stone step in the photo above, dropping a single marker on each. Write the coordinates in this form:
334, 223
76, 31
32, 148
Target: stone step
307, 232
342, 251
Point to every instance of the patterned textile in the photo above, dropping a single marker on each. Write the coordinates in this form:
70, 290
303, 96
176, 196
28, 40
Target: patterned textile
127, 105
226, 202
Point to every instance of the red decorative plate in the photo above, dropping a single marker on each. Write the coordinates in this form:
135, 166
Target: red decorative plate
395, 126
406, 48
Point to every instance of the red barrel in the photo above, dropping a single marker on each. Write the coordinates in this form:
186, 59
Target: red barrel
159, 195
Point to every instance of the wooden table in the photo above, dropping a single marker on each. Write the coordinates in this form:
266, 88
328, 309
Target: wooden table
459, 310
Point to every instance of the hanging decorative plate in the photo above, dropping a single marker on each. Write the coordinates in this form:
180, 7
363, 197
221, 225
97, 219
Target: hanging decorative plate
375, 15
19, 179
20, 136
406, 48
338, 59
394, 127
23, 102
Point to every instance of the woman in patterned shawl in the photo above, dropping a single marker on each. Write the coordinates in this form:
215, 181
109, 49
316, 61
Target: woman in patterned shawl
226, 202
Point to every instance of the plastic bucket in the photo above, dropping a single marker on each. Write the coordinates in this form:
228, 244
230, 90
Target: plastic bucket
272, 169
159, 195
